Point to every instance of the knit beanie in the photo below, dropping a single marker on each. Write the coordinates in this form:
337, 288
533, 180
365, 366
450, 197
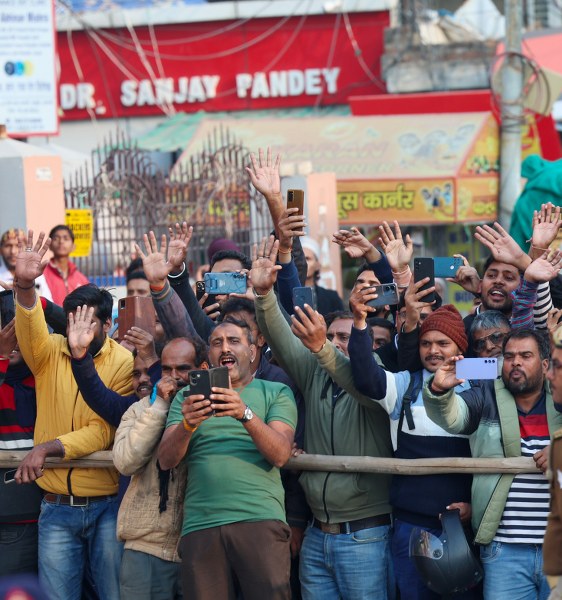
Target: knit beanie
447, 320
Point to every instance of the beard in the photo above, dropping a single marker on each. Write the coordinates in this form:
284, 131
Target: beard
525, 385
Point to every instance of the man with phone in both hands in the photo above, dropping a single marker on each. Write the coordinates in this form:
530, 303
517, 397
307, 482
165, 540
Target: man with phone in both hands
66, 427
350, 531
507, 417
233, 444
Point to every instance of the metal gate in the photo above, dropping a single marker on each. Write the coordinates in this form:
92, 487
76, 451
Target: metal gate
129, 196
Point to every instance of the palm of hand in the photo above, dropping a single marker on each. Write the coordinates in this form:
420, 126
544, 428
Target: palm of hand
267, 181
543, 234
263, 275
354, 250
541, 270
177, 251
505, 247
28, 266
155, 266
80, 337
398, 254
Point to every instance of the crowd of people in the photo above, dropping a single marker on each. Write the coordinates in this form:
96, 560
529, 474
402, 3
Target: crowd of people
199, 504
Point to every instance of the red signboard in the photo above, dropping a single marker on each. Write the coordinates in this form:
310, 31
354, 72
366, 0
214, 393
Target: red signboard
252, 65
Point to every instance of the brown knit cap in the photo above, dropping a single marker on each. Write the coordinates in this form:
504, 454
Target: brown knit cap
447, 320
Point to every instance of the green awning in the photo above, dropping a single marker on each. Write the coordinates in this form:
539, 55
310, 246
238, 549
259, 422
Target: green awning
175, 133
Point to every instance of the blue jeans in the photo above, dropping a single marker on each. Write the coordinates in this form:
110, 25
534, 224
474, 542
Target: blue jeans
349, 566
71, 537
513, 572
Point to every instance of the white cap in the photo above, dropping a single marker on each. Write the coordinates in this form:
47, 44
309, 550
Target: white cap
311, 244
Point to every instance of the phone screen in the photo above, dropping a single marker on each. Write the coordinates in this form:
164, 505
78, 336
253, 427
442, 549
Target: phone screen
7, 307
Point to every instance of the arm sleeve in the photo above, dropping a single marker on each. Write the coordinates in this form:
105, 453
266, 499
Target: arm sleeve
109, 405
172, 314
296, 360
409, 351
287, 280
543, 305
368, 376
34, 340
455, 413
524, 300
138, 435
201, 322
381, 269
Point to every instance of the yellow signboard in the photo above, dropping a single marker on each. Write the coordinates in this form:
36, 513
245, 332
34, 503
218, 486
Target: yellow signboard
81, 221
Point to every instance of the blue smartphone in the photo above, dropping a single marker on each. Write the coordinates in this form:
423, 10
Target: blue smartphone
446, 266
477, 368
225, 283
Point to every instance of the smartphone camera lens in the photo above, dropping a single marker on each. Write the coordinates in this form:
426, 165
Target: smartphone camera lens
290, 195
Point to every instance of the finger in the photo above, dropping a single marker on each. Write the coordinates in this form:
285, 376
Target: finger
254, 163
397, 231
153, 242
501, 230
535, 219
146, 244
163, 244
277, 162
268, 159
254, 253
139, 251
261, 157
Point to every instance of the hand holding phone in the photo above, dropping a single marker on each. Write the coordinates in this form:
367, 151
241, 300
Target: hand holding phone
423, 267
445, 266
225, 283
9, 476
387, 295
477, 368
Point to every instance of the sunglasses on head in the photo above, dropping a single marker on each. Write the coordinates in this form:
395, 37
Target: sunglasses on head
495, 338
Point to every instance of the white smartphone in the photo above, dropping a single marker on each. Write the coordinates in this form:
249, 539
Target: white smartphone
477, 368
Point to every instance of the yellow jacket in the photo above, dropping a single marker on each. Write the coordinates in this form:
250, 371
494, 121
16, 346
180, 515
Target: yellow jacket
61, 410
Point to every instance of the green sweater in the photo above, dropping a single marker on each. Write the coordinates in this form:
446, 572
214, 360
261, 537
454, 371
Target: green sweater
336, 424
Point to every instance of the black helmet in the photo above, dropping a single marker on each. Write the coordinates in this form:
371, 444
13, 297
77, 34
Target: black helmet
445, 563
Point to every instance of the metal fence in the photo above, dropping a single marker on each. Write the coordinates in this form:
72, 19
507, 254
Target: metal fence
129, 196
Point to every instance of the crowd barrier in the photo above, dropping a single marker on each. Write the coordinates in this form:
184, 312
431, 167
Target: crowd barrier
319, 462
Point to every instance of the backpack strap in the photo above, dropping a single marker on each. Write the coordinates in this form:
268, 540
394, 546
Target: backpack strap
410, 396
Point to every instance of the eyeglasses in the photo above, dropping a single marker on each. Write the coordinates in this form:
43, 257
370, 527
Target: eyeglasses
495, 339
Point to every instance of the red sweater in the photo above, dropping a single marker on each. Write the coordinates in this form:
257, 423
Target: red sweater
61, 287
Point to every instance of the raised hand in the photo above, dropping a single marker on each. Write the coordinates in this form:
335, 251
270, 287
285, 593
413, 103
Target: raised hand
81, 326
167, 388
445, 378
264, 173
28, 261
553, 318
414, 302
264, 268
309, 326
545, 268
546, 224
196, 409
467, 277
398, 251
154, 262
290, 225
180, 237
143, 342
502, 246
358, 304
355, 244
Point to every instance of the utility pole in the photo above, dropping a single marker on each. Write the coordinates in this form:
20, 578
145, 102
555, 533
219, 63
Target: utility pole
511, 113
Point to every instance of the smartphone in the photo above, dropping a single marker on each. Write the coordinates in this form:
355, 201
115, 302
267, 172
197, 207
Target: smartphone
137, 311
7, 308
225, 283
202, 380
9, 476
423, 267
446, 266
387, 295
477, 368
304, 295
295, 199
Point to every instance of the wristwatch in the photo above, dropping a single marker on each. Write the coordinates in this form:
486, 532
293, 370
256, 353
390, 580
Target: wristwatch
248, 415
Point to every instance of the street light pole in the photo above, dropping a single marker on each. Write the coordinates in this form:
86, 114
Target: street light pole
511, 113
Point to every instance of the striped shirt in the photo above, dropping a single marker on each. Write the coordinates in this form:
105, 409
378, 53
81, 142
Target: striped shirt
526, 509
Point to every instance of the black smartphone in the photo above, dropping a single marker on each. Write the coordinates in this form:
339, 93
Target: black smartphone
9, 476
7, 307
202, 380
200, 292
295, 199
304, 295
423, 267
387, 295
